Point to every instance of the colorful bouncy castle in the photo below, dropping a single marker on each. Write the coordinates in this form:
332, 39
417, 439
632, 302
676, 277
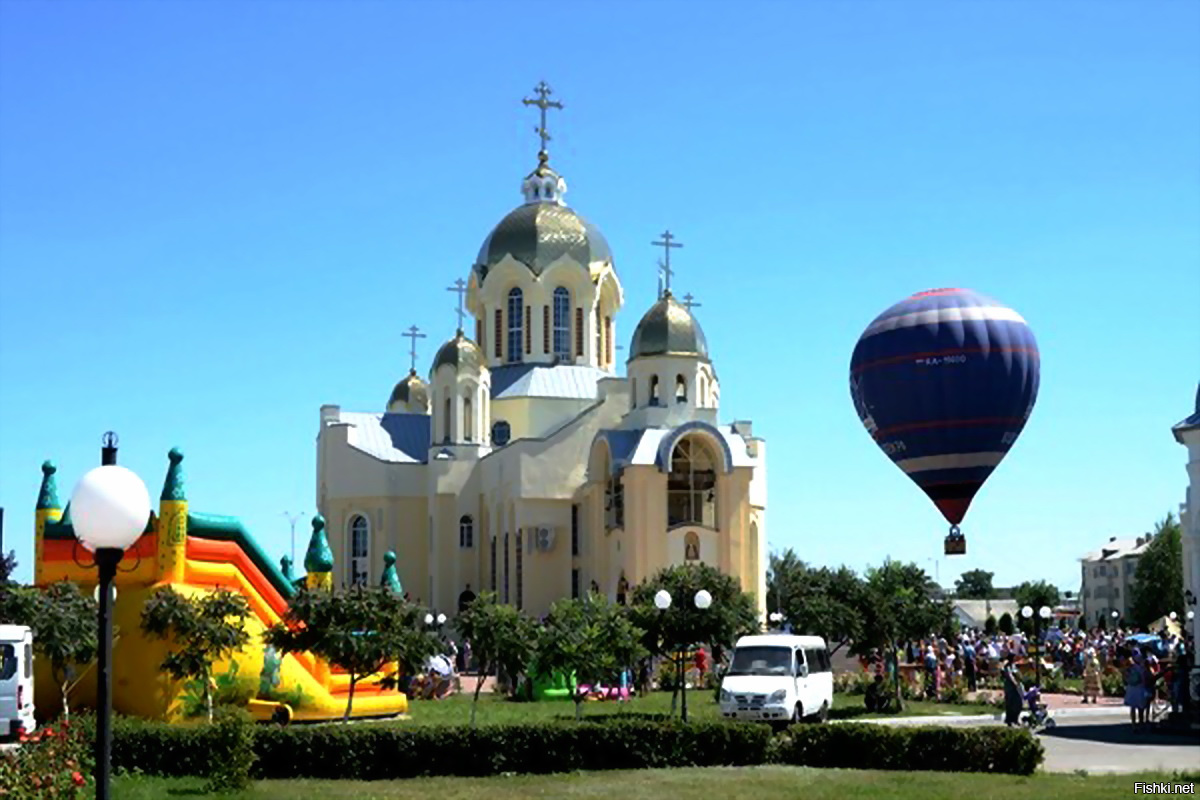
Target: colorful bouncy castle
196, 553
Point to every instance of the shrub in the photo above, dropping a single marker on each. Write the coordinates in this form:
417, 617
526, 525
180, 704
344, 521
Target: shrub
866, 746
55, 761
954, 691
229, 689
852, 682
1113, 684
231, 754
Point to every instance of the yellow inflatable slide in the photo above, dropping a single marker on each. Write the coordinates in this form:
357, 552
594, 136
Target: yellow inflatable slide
197, 553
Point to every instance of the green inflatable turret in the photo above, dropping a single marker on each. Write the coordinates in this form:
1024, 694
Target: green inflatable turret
390, 577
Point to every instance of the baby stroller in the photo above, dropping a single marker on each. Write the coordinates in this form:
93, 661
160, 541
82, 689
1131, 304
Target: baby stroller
1037, 717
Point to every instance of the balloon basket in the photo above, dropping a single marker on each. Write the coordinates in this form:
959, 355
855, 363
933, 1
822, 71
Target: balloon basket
956, 545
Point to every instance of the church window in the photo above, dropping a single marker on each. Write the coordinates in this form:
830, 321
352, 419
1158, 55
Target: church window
466, 532
614, 502
493, 563
446, 422
653, 390
562, 322
703, 398
622, 590
499, 333
468, 422
578, 331
575, 529
680, 389
506, 567
520, 570
633, 393
608, 341
516, 315
599, 354
535, 191
691, 546
546, 330
692, 485
479, 333
501, 433
360, 546
575, 582
528, 329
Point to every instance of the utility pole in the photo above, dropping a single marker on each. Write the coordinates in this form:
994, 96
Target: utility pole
292, 520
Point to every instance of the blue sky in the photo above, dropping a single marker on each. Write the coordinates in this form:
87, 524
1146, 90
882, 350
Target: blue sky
215, 217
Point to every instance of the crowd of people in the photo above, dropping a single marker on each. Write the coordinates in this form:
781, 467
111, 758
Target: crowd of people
1150, 665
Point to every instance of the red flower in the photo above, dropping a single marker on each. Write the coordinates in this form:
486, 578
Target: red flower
79, 781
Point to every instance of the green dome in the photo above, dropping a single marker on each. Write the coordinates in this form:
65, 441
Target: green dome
319, 557
410, 389
668, 329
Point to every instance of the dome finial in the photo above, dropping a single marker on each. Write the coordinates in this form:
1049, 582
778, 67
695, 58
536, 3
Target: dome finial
664, 266
413, 333
543, 92
459, 288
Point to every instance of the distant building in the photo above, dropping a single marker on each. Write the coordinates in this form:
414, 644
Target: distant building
974, 613
1187, 432
1108, 575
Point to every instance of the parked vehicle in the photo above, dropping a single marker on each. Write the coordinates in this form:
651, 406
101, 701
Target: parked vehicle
778, 678
16, 680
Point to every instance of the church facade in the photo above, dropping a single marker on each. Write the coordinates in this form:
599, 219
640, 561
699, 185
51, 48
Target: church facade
525, 464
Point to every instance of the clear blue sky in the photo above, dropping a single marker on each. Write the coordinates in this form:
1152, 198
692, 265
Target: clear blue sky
215, 217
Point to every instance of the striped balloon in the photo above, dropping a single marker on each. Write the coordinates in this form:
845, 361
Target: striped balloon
944, 382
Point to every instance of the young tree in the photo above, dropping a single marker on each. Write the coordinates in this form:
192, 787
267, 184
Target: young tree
8, 566
975, 584
590, 638
989, 625
204, 629
821, 601
361, 630
501, 637
1158, 589
1006, 624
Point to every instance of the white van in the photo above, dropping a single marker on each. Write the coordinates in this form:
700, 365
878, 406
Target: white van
16, 680
778, 678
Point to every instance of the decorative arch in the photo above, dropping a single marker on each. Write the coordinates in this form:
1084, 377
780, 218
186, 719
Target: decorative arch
691, 546
692, 483
653, 399
466, 531
680, 389
359, 527
695, 427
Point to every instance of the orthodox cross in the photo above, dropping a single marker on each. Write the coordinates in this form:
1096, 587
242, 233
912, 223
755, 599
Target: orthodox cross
543, 92
459, 288
689, 302
666, 244
414, 334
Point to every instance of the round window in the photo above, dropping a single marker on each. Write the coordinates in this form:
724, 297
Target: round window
501, 433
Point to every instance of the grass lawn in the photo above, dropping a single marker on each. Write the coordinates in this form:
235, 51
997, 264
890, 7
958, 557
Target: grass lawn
762, 783
494, 709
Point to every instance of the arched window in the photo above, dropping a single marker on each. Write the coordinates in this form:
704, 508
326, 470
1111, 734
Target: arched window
516, 317
692, 485
654, 390
633, 392
622, 590
680, 389
501, 433
446, 422
468, 422
360, 549
562, 323
691, 546
465, 598
466, 532
703, 398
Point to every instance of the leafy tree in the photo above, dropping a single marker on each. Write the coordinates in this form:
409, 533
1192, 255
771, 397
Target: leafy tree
361, 630
1158, 589
975, 584
1006, 624
8, 566
502, 639
590, 638
1034, 594
203, 628
819, 601
989, 625
63, 622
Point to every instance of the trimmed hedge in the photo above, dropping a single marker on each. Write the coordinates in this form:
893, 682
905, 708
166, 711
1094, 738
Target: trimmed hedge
861, 745
386, 751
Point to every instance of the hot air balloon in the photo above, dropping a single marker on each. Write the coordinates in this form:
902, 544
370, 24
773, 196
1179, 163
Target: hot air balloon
944, 382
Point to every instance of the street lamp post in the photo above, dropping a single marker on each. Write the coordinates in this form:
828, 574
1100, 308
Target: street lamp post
662, 601
1043, 616
109, 510
292, 519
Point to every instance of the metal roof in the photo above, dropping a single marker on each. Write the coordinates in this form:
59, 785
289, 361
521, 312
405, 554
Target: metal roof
561, 381
396, 438
651, 445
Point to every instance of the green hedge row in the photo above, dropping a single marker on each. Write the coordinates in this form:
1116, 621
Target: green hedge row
383, 751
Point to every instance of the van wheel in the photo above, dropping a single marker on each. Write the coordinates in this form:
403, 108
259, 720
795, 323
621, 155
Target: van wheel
823, 714
797, 714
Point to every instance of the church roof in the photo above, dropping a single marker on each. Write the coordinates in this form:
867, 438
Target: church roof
668, 329
538, 234
560, 381
1191, 423
410, 387
459, 352
396, 438
652, 446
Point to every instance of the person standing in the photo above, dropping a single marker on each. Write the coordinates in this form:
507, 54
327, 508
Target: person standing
1091, 677
1013, 693
969, 664
1135, 688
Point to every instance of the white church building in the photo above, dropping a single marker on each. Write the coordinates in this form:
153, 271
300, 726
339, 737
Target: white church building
525, 463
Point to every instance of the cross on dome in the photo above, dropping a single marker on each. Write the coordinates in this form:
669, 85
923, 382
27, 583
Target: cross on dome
543, 92
414, 333
665, 266
689, 302
459, 288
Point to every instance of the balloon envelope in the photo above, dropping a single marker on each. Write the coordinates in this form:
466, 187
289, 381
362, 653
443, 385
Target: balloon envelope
944, 382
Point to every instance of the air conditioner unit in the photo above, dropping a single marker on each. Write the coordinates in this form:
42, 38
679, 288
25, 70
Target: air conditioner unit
545, 539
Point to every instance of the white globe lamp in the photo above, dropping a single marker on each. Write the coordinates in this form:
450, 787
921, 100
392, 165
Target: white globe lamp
109, 508
429, 619
662, 599
703, 599
1044, 612
441, 619
1027, 612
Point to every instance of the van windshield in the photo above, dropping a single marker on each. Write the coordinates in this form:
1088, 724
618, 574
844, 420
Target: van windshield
761, 661
8, 661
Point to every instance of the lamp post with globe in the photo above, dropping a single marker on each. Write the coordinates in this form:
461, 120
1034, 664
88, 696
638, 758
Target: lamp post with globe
662, 601
1043, 616
110, 507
